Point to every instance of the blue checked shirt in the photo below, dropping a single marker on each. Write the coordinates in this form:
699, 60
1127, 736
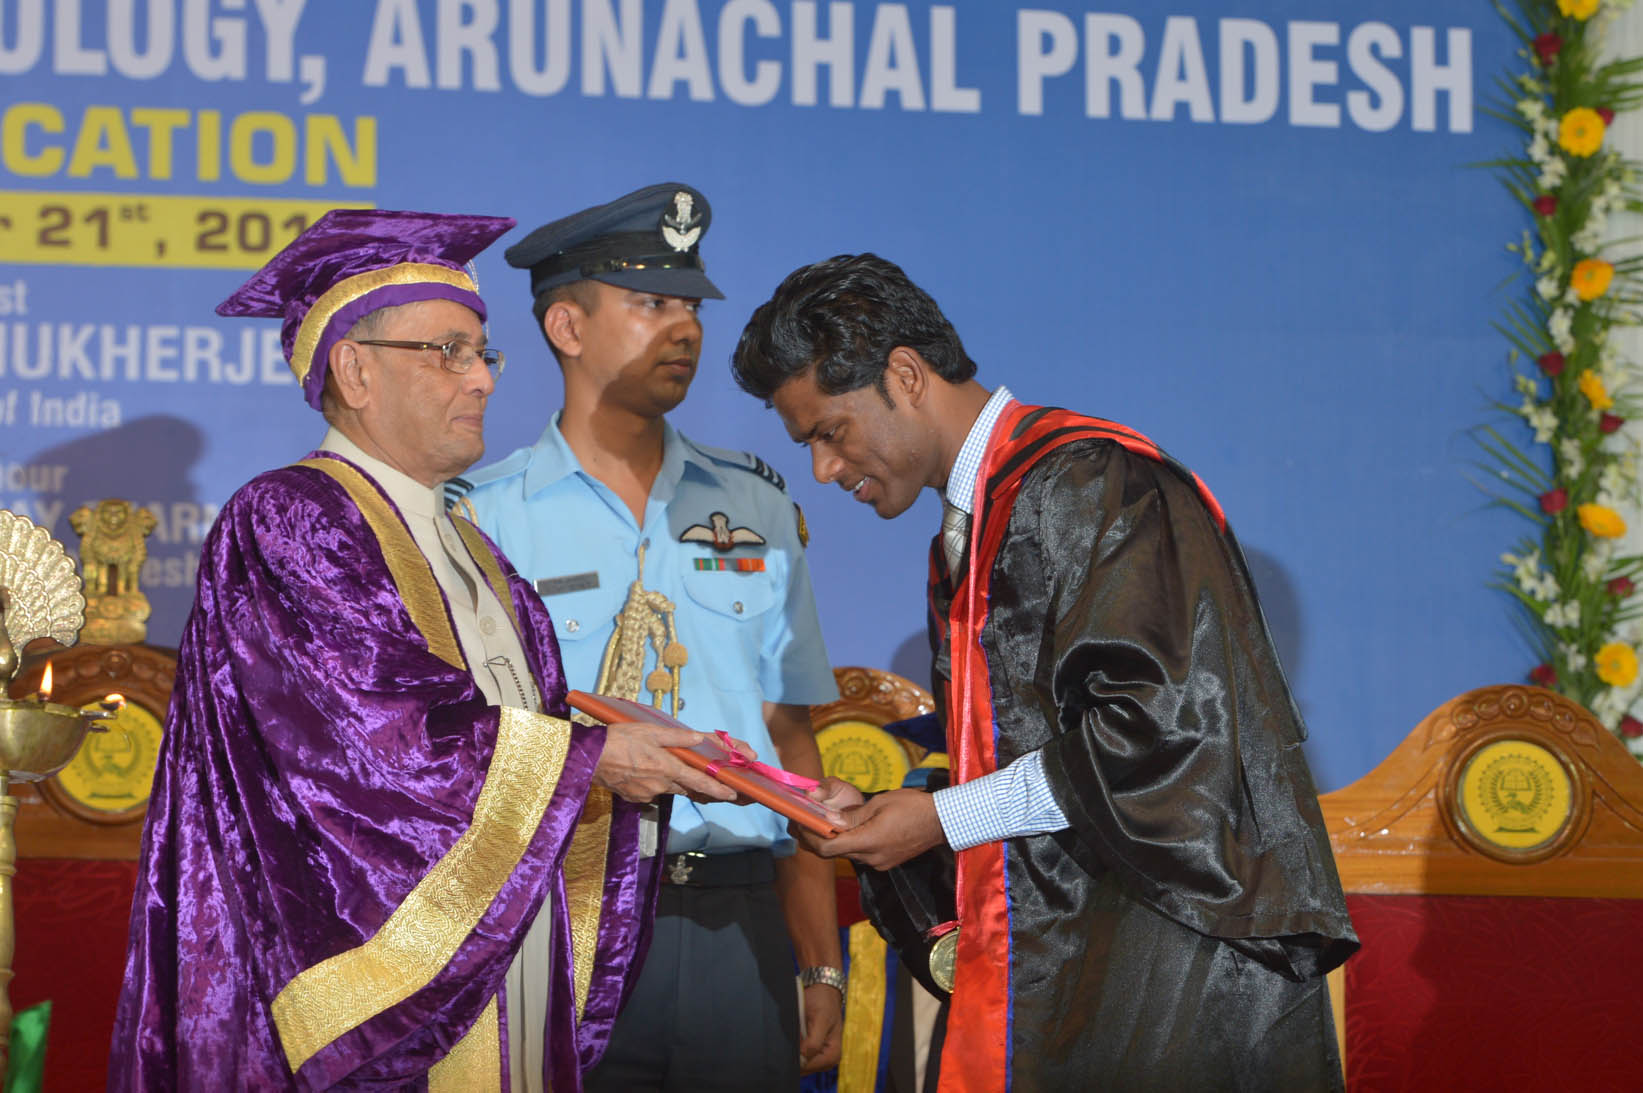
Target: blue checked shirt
1015, 800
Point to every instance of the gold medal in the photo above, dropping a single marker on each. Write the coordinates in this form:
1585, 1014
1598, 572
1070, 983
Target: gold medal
944, 960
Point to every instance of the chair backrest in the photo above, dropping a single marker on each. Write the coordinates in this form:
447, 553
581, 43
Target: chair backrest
1493, 865
850, 730
890, 1022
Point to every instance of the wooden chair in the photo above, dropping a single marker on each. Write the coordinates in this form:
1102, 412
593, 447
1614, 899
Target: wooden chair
1493, 865
889, 1019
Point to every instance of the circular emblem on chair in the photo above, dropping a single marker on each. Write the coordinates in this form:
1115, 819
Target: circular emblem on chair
110, 777
1514, 798
862, 754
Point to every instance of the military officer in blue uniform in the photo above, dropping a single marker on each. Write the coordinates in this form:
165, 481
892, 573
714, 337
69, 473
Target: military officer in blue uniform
675, 574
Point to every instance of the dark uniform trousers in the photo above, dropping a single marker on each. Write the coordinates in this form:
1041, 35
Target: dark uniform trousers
716, 1007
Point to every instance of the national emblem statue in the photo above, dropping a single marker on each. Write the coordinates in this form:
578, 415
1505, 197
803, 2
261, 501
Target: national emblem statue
113, 547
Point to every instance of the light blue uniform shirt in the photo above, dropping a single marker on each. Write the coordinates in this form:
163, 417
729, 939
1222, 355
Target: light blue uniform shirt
752, 637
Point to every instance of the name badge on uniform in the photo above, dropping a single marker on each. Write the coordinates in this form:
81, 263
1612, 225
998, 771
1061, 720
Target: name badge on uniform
572, 582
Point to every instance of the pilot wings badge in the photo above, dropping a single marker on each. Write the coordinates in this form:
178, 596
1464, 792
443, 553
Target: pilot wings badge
681, 228
720, 535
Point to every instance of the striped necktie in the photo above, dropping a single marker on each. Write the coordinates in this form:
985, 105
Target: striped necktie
955, 535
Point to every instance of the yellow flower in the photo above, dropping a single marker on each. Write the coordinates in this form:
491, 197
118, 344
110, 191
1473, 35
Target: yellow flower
1578, 9
1591, 278
1580, 133
1617, 664
1601, 521
1591, 385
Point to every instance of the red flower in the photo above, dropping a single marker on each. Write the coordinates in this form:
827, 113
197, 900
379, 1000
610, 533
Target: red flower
1547, 47
1546, 204
1630, 727
1555, 501
1543, 675
1606, 114
1551, 363
1620, 586
1608, 423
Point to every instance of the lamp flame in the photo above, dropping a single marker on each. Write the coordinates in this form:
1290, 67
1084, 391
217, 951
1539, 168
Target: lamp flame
45, 684
113, 703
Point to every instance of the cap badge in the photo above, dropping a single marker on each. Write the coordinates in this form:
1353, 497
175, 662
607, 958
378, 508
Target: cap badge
720, 535
681, 228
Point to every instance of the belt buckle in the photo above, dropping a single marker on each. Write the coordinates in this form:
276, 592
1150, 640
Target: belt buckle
679, 872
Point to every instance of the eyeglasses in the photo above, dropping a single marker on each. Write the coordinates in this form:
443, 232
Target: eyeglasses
455, 355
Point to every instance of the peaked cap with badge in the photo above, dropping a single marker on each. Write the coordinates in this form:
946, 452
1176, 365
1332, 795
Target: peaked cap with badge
646, 241
351, 262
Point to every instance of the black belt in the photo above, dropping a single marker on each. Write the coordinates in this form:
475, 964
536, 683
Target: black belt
695, 869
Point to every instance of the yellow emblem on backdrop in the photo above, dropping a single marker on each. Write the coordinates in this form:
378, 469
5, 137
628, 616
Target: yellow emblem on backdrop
114, 771
1515, 794
862, 754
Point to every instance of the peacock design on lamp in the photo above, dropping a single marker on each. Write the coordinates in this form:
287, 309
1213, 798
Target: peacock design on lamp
40, 593
40, 597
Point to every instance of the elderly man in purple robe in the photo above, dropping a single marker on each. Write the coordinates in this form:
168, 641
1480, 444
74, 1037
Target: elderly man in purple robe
378, 854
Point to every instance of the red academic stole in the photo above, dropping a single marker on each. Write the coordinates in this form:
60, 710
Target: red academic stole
976, 1056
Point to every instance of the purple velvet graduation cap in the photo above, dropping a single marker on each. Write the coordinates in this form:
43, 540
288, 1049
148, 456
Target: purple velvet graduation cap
351, 262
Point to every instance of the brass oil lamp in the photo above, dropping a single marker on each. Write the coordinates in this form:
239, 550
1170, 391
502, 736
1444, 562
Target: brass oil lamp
40, 597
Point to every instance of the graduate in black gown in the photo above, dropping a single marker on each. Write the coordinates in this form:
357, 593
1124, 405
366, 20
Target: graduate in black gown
1142, 887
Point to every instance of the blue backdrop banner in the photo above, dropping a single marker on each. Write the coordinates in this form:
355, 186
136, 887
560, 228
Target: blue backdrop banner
1251, 233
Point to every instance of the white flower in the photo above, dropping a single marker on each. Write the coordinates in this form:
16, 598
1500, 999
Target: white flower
1560, 327
1587, 238
1532, 109
1573, 658
1535, 582
1569, 458
1608, 706
1547, 287
1566, 613
1595, 563
1542, 419
1551, 175
1548, 261
1540, 149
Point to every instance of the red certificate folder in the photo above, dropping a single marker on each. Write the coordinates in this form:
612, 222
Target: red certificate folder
713, 758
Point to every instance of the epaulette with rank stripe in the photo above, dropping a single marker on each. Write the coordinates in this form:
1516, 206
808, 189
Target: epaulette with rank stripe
743, 461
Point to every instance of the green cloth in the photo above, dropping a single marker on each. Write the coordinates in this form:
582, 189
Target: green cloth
26, 1071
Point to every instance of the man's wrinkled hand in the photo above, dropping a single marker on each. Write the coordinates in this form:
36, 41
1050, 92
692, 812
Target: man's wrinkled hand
636, 765
838, 798
887, 830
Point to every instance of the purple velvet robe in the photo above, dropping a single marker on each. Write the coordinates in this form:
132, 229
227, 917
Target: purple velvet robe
323, 756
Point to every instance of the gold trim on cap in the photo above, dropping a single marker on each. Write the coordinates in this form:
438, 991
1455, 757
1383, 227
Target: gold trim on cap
345, 292
424, 933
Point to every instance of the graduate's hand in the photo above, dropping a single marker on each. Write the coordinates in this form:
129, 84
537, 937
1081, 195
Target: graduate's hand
637, 767
889, 829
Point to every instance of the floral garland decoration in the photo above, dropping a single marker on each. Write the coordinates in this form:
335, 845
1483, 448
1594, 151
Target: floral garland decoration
1580, 471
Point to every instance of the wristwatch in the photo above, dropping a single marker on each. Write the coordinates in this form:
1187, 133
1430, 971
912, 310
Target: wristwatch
830, 977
